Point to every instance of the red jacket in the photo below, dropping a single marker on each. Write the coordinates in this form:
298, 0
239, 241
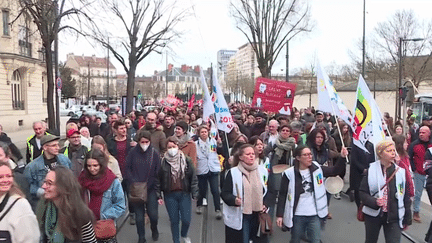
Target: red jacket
416, 152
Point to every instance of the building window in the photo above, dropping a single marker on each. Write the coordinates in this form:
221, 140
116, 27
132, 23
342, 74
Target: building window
24, 38
5, 16
16, 86
44, 87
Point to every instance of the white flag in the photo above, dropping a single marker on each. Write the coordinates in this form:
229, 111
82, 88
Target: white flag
208, 108
367, 117
329, 100
224, 119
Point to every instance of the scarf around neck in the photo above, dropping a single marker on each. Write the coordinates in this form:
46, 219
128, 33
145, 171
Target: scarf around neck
252, 188
282, 145
183, 140
177, 163
96, 187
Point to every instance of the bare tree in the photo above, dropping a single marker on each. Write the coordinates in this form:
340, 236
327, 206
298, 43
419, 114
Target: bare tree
149, 26
268, 24
382, 51
47, 16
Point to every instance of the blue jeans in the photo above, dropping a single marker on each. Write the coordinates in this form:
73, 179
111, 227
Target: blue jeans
179, 206
213, 179
419, 181
250, 226
152, 212
310, 224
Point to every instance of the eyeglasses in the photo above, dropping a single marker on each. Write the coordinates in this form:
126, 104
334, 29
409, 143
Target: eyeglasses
76, 137
307, 155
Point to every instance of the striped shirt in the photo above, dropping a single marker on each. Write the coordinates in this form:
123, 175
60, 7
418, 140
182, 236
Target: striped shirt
88, 234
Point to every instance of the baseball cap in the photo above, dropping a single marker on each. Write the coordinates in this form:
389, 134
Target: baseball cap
72, 132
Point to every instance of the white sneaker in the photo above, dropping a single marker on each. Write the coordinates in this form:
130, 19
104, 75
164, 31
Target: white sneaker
186, 240
204, 202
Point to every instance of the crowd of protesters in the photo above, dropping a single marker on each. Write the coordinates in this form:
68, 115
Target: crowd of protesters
270, 167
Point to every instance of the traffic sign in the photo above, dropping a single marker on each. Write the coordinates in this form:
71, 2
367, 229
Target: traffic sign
59, 83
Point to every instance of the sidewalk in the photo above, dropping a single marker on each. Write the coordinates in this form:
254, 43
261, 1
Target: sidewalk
19, 137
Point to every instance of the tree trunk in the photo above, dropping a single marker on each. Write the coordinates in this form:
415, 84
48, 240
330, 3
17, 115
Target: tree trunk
50, 90
130, 85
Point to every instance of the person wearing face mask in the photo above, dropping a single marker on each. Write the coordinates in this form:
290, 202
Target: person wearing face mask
178, 182
142, 165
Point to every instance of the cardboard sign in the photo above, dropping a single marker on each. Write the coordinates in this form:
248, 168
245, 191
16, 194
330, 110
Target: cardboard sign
274, 96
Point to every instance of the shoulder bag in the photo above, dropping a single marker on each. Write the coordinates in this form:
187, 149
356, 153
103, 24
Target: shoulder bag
360, 214
138, 190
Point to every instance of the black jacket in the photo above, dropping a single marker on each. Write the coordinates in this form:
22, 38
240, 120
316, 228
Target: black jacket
392, 205
283, 192
229, 198
112, 145
15, 151
189, 182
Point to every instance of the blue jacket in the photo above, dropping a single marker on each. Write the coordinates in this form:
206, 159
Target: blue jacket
113, 202
35, 172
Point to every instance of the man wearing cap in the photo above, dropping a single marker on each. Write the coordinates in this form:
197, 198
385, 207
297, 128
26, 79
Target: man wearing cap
34, 147
36, 170
75, 151
260, 124
307, 116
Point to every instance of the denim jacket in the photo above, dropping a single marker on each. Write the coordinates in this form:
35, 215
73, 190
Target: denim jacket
35, 172
113, 202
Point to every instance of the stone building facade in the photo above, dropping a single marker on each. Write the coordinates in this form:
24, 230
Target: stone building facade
23, 80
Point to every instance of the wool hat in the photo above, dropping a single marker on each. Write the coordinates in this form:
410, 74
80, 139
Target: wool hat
183, 125
48, 138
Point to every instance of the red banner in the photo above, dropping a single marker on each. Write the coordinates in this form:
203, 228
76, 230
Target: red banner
274, 96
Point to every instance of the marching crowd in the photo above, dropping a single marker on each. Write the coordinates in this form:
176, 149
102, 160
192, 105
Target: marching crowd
269, 168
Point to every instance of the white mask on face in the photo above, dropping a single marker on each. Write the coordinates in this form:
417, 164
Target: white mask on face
144, 147
172, 151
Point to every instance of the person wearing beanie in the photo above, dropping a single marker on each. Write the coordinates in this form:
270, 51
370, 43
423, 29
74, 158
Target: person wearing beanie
186, 144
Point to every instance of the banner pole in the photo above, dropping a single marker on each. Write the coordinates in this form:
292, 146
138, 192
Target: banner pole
339, 131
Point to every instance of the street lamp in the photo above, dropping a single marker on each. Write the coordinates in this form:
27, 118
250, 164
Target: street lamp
401, 40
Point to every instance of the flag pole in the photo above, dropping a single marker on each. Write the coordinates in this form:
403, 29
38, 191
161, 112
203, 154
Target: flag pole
339, 131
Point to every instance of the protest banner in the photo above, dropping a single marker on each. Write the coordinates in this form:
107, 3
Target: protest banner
274, 96
223, 116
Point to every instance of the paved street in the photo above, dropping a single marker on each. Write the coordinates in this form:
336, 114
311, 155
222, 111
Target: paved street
344, 226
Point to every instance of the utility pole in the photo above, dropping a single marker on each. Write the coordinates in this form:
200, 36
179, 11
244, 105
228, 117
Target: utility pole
88, 84
108, 76
166, 76
57, 75
287, 62
364, 26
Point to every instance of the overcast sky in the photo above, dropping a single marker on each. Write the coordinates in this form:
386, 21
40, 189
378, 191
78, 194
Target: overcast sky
338, 27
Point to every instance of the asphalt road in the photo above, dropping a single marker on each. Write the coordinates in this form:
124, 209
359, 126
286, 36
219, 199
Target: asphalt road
343, 228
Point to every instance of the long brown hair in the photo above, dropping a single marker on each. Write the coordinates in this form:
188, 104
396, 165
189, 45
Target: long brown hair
14, 190
100, 140
73, 213
100, 157
399, 141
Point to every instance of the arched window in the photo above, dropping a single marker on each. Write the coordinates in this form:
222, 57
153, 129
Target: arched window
16, 89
